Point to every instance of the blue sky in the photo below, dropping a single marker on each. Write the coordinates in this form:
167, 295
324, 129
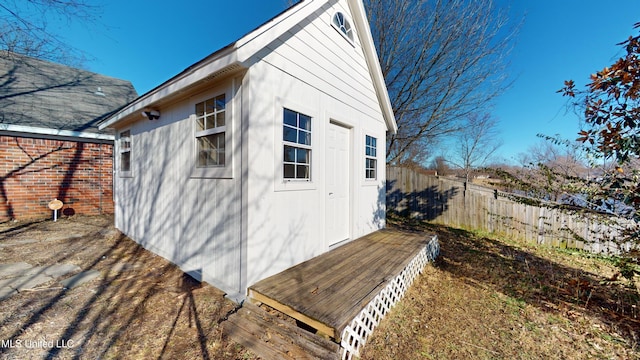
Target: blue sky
148, 42
559, 40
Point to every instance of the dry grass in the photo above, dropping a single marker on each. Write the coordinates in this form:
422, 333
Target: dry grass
484, 298
142, 307
489, 298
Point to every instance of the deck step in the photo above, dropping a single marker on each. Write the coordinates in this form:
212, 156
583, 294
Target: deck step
271, 337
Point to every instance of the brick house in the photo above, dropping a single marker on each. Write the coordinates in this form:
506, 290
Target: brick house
50, 146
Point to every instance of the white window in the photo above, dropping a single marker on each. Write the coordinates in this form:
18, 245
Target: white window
124, 149
370, 158
296, 137
343, 25
210, 132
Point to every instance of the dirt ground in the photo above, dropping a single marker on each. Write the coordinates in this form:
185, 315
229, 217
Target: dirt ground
484, 298
141, 307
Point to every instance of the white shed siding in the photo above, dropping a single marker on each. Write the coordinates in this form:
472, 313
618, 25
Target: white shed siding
312, 69
232, 232
194, 222
321, 57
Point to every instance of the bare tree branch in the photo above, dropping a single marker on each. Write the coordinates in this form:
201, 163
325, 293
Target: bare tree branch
442, 60
475, 143
552, 170
24, 28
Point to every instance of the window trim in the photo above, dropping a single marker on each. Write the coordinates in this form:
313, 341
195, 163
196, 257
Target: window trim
218, 171
129, 172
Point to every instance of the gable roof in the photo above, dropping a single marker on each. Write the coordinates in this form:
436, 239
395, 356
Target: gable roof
371, 56
235, 57
47, 98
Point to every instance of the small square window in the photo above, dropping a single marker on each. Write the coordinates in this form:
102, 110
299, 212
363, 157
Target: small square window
290, 134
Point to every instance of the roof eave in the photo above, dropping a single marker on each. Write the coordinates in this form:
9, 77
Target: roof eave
371, 56
220, 62
239, 53
234, 56
23, 129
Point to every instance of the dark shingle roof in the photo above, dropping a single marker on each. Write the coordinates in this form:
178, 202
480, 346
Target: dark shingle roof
42, 94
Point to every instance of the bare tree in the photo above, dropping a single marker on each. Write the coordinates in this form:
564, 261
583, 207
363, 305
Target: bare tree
563, 158
553, 171
439, 164
475, 143
442, 60
24, 27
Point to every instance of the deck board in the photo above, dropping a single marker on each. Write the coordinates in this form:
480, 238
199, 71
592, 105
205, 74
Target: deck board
332, 283
332, 289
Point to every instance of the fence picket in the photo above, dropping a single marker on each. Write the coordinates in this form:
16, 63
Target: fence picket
454, 203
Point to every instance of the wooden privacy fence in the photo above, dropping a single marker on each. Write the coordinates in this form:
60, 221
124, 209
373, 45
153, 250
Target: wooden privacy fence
456, 203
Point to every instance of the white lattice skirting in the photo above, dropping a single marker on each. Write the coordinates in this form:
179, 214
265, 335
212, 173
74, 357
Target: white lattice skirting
355, 335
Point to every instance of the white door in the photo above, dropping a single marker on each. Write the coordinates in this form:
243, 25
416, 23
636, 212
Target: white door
337, 180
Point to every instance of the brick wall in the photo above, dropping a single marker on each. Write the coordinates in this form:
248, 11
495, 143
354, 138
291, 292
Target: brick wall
35, 171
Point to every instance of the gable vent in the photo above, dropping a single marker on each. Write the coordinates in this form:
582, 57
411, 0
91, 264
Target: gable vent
226, 71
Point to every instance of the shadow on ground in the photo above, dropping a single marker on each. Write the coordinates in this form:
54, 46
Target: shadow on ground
140, 307
548, 285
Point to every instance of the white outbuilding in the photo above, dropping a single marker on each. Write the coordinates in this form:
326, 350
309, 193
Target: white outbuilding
264, 154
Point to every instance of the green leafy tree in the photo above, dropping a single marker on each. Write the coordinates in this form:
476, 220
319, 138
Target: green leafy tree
609, 143
610, 105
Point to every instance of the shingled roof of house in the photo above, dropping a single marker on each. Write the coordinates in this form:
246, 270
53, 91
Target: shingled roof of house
40, 94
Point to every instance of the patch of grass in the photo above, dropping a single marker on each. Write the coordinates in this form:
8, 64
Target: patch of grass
489, 297
515, 305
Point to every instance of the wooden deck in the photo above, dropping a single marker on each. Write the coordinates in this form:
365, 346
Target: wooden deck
271, 337
328, 291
